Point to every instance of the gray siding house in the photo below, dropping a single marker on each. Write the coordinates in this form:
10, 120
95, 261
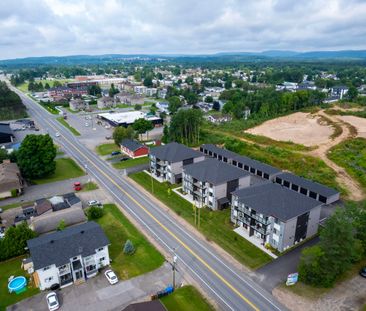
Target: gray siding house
167, 161
275, 214
211, 182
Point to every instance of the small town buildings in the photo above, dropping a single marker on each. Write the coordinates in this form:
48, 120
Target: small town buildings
151, 91
275, 215
6, 133
68, 256
11, 181
140, 89
78, 104
133, 148
216, 119
167, 161
211, 182
65, 91
340, 91
128, 118
106, 102
163, 107
129, 99
308, 188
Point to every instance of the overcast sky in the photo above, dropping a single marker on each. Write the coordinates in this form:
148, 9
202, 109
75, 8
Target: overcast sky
67, 27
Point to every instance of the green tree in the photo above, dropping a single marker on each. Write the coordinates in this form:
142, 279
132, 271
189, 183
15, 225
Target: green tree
62, 225
47, 86
36, 156
138, 107
148, 81
57, 83
216, 106
208, 99
352, 93
142, 126
121, 133
94, 90
174, 104
128, 248
95, 212
112, 91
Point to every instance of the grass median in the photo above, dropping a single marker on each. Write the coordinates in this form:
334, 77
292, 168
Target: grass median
68, 126
66, 168
186, 298
119, 229
215, 225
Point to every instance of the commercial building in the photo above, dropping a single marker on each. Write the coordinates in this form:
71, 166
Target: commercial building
167, 161
211, 182
68, 256
133, 148
128, 118
275, 215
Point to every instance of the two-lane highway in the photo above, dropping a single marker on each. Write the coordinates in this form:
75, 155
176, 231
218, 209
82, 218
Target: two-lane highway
230, 288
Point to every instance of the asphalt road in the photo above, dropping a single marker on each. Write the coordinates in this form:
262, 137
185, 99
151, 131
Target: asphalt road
231, 289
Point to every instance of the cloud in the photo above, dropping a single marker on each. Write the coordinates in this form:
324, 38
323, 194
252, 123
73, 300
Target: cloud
64, 27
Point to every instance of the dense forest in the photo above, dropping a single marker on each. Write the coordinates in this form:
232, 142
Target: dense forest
11, 106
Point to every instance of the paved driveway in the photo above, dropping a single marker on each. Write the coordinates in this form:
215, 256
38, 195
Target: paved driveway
96, 294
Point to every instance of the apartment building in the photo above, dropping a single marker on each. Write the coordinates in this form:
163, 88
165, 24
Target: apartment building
275, 215
167, 161
211, 182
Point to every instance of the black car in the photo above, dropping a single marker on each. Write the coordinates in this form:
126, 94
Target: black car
363, 272
124, 159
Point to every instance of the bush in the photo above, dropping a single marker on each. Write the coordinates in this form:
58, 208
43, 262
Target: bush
95, 212
128, 248
14, 193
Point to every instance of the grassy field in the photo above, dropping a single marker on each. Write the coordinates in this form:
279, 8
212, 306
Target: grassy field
186, 298
14, 205
89, 186
106, 149
68, 126
351, 154
24, 86
119, 229
130, 163
215, 225
7, 269
65, 168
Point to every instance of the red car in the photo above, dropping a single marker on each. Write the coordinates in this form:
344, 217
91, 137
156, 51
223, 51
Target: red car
77, 186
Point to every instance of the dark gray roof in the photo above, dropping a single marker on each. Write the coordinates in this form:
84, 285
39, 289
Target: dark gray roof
214, 171
71, 198
270, 170
153, 305
174, 152
58, 247
308, 184
130, 144
5, 128
275, 200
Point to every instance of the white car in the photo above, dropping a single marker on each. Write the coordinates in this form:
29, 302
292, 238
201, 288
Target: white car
52, 301
111, 277
94, 203
86, 124
58, 134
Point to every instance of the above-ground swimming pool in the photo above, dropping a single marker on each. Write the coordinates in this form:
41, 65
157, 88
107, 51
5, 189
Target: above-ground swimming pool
17, 284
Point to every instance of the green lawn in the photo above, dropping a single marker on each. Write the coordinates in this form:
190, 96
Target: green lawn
89, 186
24, 86
215, 225
130, 163
7, 269
351, 154
68, 126
14, 205
106, 149
119, 229
186, 298
65, 168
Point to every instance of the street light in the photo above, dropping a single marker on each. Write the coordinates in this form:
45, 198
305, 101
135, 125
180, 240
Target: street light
175, 259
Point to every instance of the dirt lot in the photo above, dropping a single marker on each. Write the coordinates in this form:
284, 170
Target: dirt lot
357, 122
301, 128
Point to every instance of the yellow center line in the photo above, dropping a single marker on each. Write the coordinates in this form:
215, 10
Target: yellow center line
164, 227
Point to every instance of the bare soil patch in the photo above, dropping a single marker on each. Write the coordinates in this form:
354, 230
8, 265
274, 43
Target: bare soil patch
357, 122
300, 128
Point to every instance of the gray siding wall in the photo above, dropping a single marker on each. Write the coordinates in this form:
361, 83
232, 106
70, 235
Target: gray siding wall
288, 234
219, 191
199, 159
244, 182
313, 223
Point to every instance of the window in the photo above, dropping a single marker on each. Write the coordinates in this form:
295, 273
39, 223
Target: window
101, 258
246, 167
286, 184
100, 249
47, 280
46, 268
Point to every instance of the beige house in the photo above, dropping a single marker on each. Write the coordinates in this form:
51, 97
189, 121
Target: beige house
106, 102
10, 179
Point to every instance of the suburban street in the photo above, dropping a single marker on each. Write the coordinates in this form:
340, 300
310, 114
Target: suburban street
230, 288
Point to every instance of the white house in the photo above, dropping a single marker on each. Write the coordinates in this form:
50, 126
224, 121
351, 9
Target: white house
69, 256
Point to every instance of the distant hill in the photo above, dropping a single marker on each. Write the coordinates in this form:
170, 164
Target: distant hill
222, 57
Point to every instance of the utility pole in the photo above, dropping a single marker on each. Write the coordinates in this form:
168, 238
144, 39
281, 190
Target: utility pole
175, 258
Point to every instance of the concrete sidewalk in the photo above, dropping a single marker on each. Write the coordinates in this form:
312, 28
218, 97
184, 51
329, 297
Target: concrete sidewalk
96, 294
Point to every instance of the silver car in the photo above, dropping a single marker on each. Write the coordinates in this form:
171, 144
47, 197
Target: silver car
52, 301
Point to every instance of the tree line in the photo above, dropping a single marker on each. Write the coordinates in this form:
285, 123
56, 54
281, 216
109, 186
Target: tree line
11, 106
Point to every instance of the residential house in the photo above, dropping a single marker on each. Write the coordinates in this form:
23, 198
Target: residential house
106, 102
151, 91
78, 104
308, 188
140, 89
6, 133
340, 91
216, 119
133, 148
68, 256
129, 99
211, 182
65, 91
10, 179
167, 161
275, 215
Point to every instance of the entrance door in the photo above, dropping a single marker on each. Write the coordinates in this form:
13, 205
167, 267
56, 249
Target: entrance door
79, 275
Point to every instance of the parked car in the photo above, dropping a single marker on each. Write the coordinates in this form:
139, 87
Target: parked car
108, 137
86, 124
111, 277
52, 301
363, 272
124, 159
77, 186
1, 210
115, 153
94, 203
2, 232
58, 134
